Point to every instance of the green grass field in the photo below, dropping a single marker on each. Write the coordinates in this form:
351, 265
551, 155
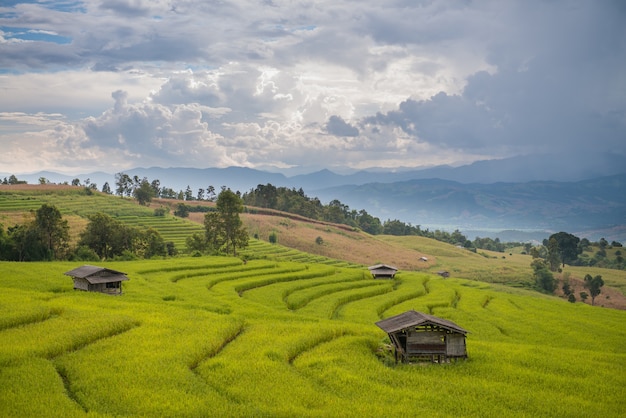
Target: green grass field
290, 333
211, 336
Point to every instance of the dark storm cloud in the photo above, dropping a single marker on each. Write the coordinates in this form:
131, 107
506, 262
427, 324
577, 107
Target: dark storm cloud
562, 92
338, 127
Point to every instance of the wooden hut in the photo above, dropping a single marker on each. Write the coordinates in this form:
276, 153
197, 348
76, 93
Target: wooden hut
97, 279
417, 335
383, 271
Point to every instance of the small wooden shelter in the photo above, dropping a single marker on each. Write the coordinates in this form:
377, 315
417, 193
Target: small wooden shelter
416, 335
97, 279
384, 271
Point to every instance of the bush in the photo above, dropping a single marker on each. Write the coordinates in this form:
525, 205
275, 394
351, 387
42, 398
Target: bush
319, 240
273, 237
160, 211
84, 253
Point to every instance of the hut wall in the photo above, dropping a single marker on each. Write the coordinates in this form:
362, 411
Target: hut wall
455, 345
81, 284
110, 288
426, 342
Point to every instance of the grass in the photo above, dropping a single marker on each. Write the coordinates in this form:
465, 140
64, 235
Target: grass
292, 332
214, 336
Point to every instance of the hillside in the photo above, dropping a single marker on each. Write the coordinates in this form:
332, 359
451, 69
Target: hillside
211, 336
291, 333
297, 239
515, 199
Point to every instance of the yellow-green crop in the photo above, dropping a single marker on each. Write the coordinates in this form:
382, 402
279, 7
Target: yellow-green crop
212, 336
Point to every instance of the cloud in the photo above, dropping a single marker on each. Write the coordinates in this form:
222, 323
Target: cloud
337, 126
315, 84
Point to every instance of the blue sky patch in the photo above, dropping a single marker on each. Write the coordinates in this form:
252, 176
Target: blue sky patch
60, 6
34, 35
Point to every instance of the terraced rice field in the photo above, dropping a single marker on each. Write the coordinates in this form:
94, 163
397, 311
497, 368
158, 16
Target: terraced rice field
213, 336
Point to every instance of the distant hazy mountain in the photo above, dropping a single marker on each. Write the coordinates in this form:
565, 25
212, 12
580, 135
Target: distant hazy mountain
590, 207
533, 193
510, 170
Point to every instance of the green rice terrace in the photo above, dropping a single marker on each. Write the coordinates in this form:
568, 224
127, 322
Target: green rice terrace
291, 334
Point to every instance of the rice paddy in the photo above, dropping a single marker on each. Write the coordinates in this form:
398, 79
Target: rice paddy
214, 336
288, 333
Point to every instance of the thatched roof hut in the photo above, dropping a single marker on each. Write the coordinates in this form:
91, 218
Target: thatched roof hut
416, 335
97, 279
383, 271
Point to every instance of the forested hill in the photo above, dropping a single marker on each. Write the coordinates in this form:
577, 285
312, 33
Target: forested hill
593, 208
590, 207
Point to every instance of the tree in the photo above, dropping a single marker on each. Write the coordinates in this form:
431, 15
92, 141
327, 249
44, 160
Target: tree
212, 232
109, 237
584, 245
54, 231
210, 191
229, 206
106, 188
26, 243
188, 193
196, 242
368, 223
144, 193
152, 244
123, 184
544, 279
594, 285
567, 288
224, 229
181, 210
99, 235
568, 247
554, 257
156, 187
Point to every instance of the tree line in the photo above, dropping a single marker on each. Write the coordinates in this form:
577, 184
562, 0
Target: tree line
297, 202
558, 248
564, 248
46, 236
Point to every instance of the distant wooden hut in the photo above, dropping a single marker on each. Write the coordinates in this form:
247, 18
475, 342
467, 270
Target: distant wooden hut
417, 335
383, 271
97, 279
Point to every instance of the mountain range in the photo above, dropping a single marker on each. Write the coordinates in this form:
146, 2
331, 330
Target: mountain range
521, 198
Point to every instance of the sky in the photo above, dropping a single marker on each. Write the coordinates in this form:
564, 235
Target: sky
109, 85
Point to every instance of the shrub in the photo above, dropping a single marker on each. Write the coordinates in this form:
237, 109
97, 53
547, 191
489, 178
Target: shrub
160, 211
84, 253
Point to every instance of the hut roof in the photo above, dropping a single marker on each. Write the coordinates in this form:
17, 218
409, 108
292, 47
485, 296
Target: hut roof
413, 319
96, 275
382, 267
